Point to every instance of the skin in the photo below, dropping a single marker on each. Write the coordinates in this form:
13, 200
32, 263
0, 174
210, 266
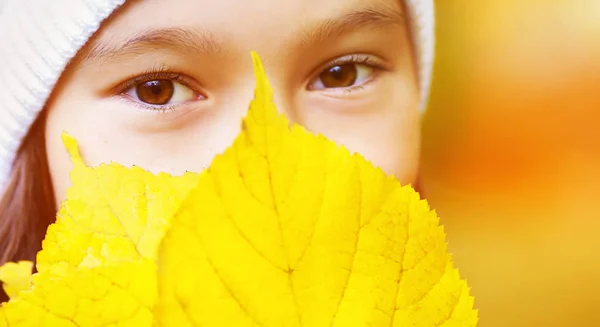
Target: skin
377, 115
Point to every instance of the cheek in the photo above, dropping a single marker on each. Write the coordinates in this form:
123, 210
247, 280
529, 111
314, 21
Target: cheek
387, 134
112, 132
59, 164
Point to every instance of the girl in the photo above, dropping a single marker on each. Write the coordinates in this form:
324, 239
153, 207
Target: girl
165, 84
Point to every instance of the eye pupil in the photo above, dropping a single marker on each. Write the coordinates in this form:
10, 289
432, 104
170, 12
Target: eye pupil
155, 92
339, 76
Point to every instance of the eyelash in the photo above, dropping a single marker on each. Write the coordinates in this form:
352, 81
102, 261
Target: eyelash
358, 59
154, 73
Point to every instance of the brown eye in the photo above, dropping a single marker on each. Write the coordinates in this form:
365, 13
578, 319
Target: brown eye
155, 92
339, 76
162, 92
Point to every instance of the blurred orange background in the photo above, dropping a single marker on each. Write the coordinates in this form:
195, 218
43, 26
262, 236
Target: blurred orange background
511, 156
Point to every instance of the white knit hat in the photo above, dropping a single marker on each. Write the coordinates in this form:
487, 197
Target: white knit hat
39, 37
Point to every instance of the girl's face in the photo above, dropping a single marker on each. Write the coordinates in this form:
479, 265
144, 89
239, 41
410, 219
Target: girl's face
164, 84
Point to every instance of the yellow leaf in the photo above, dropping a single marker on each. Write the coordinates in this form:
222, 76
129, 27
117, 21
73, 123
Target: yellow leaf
97, 263
288, 229
16, 277
112, 214
120, 295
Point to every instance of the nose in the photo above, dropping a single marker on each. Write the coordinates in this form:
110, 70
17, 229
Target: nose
284, 95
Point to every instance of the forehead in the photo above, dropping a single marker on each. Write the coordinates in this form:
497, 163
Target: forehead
250, 21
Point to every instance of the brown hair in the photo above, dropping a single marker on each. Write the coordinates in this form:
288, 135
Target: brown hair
27, 206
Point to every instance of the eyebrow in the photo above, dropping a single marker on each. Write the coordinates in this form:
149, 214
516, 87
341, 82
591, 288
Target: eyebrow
175, 39
203, 42
373, 17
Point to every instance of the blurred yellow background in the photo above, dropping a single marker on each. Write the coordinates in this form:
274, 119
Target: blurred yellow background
511, 156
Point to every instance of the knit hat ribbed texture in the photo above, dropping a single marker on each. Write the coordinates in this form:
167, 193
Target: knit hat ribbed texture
38, 38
